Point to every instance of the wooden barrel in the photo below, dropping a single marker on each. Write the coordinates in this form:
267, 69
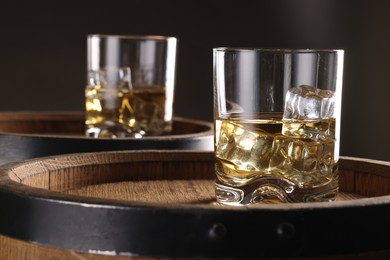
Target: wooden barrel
25, 135
161, 204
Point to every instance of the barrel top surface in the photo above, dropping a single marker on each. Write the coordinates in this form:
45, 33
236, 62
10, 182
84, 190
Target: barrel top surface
161, 203
26, 134
25, 123
13, 173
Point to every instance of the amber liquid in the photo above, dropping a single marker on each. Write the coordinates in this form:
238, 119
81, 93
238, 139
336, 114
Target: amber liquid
257, 159
149, 110
125, 113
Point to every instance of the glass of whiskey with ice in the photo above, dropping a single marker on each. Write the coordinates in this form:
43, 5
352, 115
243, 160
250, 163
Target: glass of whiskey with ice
131, 82
277, 124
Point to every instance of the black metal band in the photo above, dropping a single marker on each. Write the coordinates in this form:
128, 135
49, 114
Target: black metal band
122, 229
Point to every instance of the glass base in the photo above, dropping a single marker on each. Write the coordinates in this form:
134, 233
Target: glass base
110, 132
273, 190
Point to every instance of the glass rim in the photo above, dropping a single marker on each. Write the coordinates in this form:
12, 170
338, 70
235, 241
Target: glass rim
151, 37
271, 50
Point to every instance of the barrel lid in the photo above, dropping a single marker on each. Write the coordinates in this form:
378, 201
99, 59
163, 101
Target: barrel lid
30, 134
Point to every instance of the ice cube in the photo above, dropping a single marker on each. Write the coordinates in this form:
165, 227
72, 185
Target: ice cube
316, 130
247, 149
148, 111
306, 102
302, 161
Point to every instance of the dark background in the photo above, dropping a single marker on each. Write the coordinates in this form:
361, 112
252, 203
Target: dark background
43, 51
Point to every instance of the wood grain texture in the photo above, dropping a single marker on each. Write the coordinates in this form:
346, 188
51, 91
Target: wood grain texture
24, 122
71, 123
26, 135
166, 177
365, 177
199, 192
